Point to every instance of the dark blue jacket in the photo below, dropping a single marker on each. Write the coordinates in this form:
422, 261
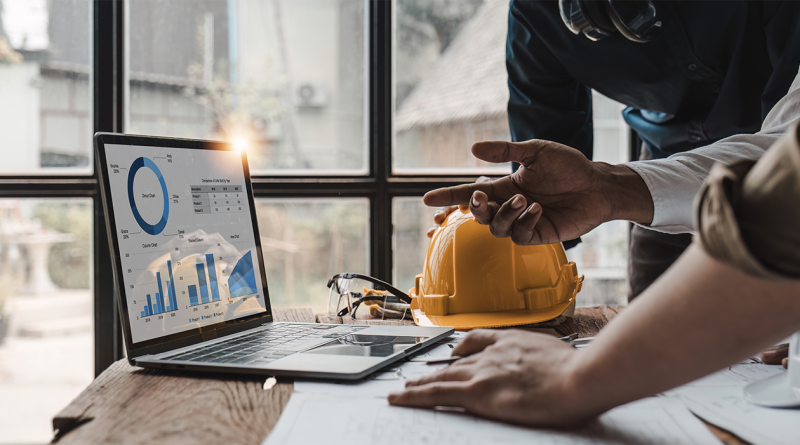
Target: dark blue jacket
719, 67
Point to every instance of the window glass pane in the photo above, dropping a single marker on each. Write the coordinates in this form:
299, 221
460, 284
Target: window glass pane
283, 78
307, 241
46, 330
450, 84
45, 120
411, 219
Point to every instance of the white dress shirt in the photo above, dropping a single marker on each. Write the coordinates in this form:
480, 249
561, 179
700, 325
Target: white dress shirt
673, 182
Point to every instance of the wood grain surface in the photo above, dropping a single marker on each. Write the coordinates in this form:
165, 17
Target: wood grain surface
130, 405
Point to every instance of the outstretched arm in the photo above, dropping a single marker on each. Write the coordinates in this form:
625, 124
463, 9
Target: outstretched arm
556, 195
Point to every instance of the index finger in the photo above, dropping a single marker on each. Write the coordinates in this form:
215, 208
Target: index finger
456, 195
433, 394
476, 342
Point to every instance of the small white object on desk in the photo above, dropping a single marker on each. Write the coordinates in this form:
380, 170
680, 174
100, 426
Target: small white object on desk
782, 390
269, 383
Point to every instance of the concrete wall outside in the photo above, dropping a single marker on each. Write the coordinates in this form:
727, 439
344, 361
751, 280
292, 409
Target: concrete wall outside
19, 117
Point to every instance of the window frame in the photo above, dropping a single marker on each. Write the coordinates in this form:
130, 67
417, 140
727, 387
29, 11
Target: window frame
109, 88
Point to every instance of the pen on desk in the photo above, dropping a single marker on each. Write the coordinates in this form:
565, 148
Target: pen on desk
580, 343
569, 337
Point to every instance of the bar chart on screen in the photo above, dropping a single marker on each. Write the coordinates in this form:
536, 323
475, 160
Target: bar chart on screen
208, 288
156, 306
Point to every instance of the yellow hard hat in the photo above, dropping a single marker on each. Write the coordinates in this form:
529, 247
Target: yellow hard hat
471, 279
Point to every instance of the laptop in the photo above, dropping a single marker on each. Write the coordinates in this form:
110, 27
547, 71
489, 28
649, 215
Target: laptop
189, 273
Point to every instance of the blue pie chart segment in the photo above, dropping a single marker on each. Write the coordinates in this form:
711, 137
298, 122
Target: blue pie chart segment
243, 278
152, 229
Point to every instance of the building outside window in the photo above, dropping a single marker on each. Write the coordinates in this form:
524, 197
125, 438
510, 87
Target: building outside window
286, 78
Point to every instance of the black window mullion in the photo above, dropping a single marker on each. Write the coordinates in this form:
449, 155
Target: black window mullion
47, 187
108, 77
380, 81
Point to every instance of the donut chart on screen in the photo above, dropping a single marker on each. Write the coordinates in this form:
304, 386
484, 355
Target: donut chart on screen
152, 229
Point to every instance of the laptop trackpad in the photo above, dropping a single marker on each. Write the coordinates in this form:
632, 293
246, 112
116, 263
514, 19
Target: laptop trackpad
351, 354
367, 345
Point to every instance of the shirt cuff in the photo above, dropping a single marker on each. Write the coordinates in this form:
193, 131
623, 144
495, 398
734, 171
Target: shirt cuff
673, 193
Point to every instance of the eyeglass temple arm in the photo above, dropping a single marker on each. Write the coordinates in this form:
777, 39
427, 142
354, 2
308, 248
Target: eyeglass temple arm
350, 275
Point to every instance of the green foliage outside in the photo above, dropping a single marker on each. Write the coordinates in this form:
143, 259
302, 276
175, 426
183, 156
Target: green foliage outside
69, 263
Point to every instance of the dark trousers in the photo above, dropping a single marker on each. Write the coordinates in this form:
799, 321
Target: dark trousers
651, 255
651, 252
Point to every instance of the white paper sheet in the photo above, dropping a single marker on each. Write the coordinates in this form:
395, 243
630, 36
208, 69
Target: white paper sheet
318, 418
718, 399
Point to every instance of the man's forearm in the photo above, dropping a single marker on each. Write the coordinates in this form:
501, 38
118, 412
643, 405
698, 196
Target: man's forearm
700, 316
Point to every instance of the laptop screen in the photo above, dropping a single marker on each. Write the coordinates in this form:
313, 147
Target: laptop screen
185, 236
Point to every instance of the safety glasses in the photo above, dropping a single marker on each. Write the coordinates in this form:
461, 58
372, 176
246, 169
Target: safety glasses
348, 290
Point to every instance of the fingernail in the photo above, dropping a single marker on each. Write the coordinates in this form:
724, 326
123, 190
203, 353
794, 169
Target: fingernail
391, 397
531, 208
518, 202
475, 203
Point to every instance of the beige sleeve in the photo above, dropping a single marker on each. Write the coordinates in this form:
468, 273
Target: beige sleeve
748, 214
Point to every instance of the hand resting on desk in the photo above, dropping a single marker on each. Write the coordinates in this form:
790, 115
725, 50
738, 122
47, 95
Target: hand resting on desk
513, 376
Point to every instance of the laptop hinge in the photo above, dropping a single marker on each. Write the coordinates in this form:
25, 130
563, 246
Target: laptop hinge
208, 335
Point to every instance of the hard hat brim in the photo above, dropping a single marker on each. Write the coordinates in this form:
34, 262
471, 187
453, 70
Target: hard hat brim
484, 320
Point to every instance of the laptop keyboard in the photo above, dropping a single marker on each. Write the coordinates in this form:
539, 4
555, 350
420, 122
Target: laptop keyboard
267, 345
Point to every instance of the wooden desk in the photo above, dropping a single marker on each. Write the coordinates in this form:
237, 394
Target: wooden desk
126, 404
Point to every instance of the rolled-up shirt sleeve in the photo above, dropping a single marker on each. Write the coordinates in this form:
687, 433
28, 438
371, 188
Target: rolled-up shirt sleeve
675, 181
747, 214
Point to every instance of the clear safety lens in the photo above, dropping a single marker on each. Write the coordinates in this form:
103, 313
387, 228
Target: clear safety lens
347, 292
